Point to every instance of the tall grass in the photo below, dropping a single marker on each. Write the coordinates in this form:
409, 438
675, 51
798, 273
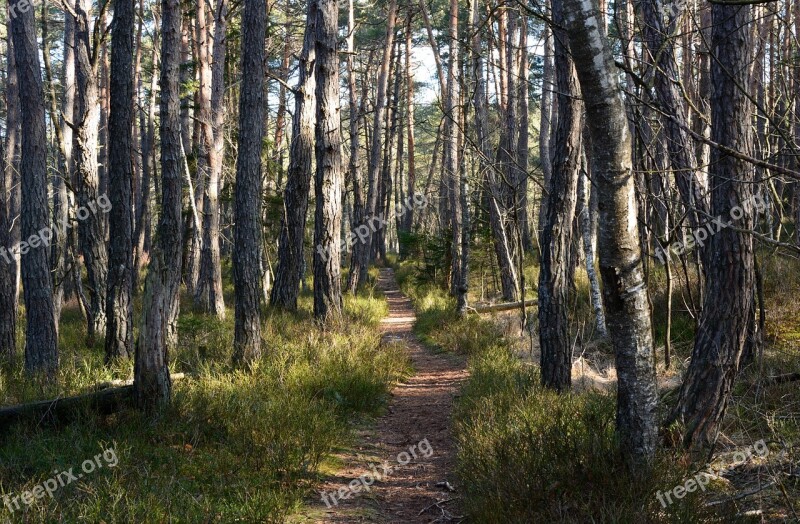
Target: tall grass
526, 454
234, 446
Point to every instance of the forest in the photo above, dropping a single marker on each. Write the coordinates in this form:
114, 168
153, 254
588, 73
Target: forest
399, 261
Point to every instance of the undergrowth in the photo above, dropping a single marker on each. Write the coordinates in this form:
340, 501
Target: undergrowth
526, 454
234, 446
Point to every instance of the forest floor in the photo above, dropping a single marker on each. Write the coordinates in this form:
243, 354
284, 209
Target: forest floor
417, 422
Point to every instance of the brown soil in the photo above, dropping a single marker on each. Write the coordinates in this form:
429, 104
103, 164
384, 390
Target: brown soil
424, 490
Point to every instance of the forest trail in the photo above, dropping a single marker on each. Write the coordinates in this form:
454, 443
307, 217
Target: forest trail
417, 421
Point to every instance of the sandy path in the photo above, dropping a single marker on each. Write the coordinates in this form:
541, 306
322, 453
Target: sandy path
417, 421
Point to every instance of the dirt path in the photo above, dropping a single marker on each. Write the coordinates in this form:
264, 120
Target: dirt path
417, 422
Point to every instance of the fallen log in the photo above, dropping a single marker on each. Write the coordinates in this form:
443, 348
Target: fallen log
110, 398
502, 307
105, 401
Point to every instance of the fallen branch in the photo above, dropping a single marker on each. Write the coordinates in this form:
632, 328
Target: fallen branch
782, 379
742, 495
503, 307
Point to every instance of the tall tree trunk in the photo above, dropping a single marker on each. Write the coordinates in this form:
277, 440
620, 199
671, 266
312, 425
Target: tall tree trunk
548, 120
91, 232
58, 244
356, 112
624, 290
361, 253
291, 260
727, 312
504, 179
523, 142
453, 172
410, 123
13, 147
144, 215
8, 277
41, 352
119, 300
209, 294
555, 277
158, 334
280, 120
247, 232
328, 180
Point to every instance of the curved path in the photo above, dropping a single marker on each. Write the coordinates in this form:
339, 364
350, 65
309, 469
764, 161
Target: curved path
402, 488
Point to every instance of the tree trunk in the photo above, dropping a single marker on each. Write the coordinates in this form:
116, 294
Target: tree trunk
328, 180
144, 215
587, 233
624, 290
356, 112
247, 232
41, 352
209, 293
13, 146
412, 162
523, 142
8, 306
730, 276
91, 233
58, 249
119, 301
555, 277
453, 173
548, 120
293, 227
361, 253
158, 333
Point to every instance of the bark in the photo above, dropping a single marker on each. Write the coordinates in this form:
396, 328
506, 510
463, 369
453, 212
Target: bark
41, 352
280, 120
412, 162
356, 112
328, 179
91, 233
58, 249
119, 300
587, 234
455, 175
293, 227
730, 276
548, 119
247, 231
158, 334
13, 145
8, 307
523, 142
503, 180
624, 289
147, 130
555, 277
209, 292
361, 253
